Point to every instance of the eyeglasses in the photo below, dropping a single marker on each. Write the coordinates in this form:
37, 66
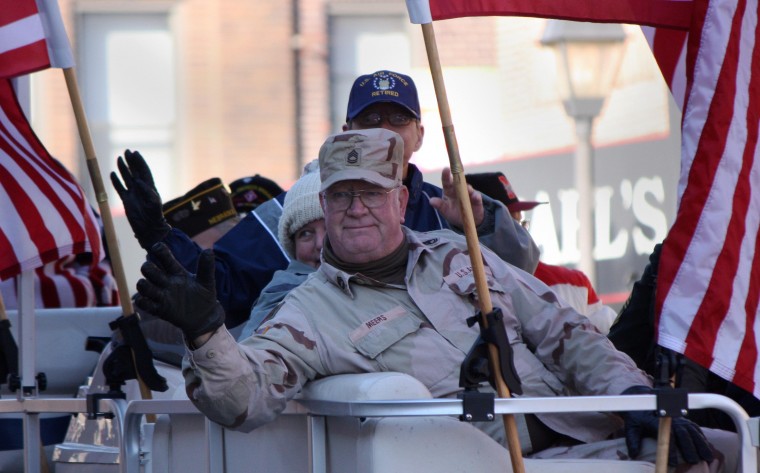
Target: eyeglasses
375, 119
342, 200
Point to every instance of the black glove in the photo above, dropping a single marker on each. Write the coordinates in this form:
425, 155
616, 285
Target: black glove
133, 353
142, 204
119, 367
685, 436
185, 300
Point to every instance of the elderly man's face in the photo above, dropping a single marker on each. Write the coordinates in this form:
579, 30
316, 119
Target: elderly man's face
360, 234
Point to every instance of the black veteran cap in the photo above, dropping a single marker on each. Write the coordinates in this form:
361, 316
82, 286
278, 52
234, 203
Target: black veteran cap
250, 192
383, 86
206, 205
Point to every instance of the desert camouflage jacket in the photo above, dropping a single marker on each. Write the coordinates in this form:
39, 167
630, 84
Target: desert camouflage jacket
337, 323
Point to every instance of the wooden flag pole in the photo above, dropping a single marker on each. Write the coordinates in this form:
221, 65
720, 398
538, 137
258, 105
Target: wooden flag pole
663, 445
460, 184
105, 211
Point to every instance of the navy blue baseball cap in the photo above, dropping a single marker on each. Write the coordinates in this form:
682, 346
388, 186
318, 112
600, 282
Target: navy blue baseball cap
383, 86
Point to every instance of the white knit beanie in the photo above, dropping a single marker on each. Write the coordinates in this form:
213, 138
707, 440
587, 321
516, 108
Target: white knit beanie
301, 207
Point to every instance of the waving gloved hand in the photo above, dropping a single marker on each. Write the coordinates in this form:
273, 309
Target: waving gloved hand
185, 300
142, 204
686, 437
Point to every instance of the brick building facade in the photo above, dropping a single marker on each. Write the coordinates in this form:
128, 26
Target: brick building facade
231, 88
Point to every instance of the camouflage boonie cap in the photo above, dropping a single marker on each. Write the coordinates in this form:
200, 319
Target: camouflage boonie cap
375, 156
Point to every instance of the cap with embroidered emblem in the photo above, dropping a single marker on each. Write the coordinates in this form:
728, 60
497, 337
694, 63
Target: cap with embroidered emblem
375, 156
383, 86
250, 192
201, 208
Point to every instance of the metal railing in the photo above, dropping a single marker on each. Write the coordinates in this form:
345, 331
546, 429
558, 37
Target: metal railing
31, 408
316, 411
127, 419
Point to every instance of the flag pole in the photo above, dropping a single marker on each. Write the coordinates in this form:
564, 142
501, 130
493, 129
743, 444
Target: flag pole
473, 246
663, 445
105, 211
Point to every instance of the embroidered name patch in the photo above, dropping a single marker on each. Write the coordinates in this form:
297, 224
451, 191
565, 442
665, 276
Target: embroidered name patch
375, 322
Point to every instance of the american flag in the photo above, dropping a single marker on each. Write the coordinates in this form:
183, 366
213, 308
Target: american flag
709, 274
668, 13
44, 214
71, 281
32, 37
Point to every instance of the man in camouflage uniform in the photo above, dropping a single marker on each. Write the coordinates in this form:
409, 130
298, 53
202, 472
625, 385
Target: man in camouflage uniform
386, 298
248, 255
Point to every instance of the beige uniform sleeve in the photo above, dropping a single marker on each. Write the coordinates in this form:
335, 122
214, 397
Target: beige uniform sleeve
242, 386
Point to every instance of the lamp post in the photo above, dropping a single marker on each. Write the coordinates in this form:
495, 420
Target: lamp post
588, 57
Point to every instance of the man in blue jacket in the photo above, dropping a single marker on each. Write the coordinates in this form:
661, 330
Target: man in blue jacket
249, 254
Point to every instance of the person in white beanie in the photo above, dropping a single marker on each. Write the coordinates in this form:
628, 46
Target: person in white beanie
301, 232
302, 220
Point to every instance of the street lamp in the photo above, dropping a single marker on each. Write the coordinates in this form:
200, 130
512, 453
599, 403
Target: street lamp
588, 58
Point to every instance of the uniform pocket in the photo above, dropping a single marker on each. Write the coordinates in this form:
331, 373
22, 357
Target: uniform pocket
398, 340
384, 330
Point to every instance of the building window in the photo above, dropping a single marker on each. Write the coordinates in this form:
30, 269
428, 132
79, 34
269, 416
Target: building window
128, 74
360, 44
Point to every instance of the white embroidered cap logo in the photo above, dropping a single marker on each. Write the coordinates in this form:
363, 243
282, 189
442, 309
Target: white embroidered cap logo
384, 82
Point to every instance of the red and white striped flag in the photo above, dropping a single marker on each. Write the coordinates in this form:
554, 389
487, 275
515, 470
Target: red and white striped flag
709, 274
44, 213
32, 37
668, 13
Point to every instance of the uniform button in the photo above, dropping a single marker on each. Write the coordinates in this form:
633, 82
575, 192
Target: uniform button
211, 354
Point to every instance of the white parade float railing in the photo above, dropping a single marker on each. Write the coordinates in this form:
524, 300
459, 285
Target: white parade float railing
367, 423
316, 434
332, 435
